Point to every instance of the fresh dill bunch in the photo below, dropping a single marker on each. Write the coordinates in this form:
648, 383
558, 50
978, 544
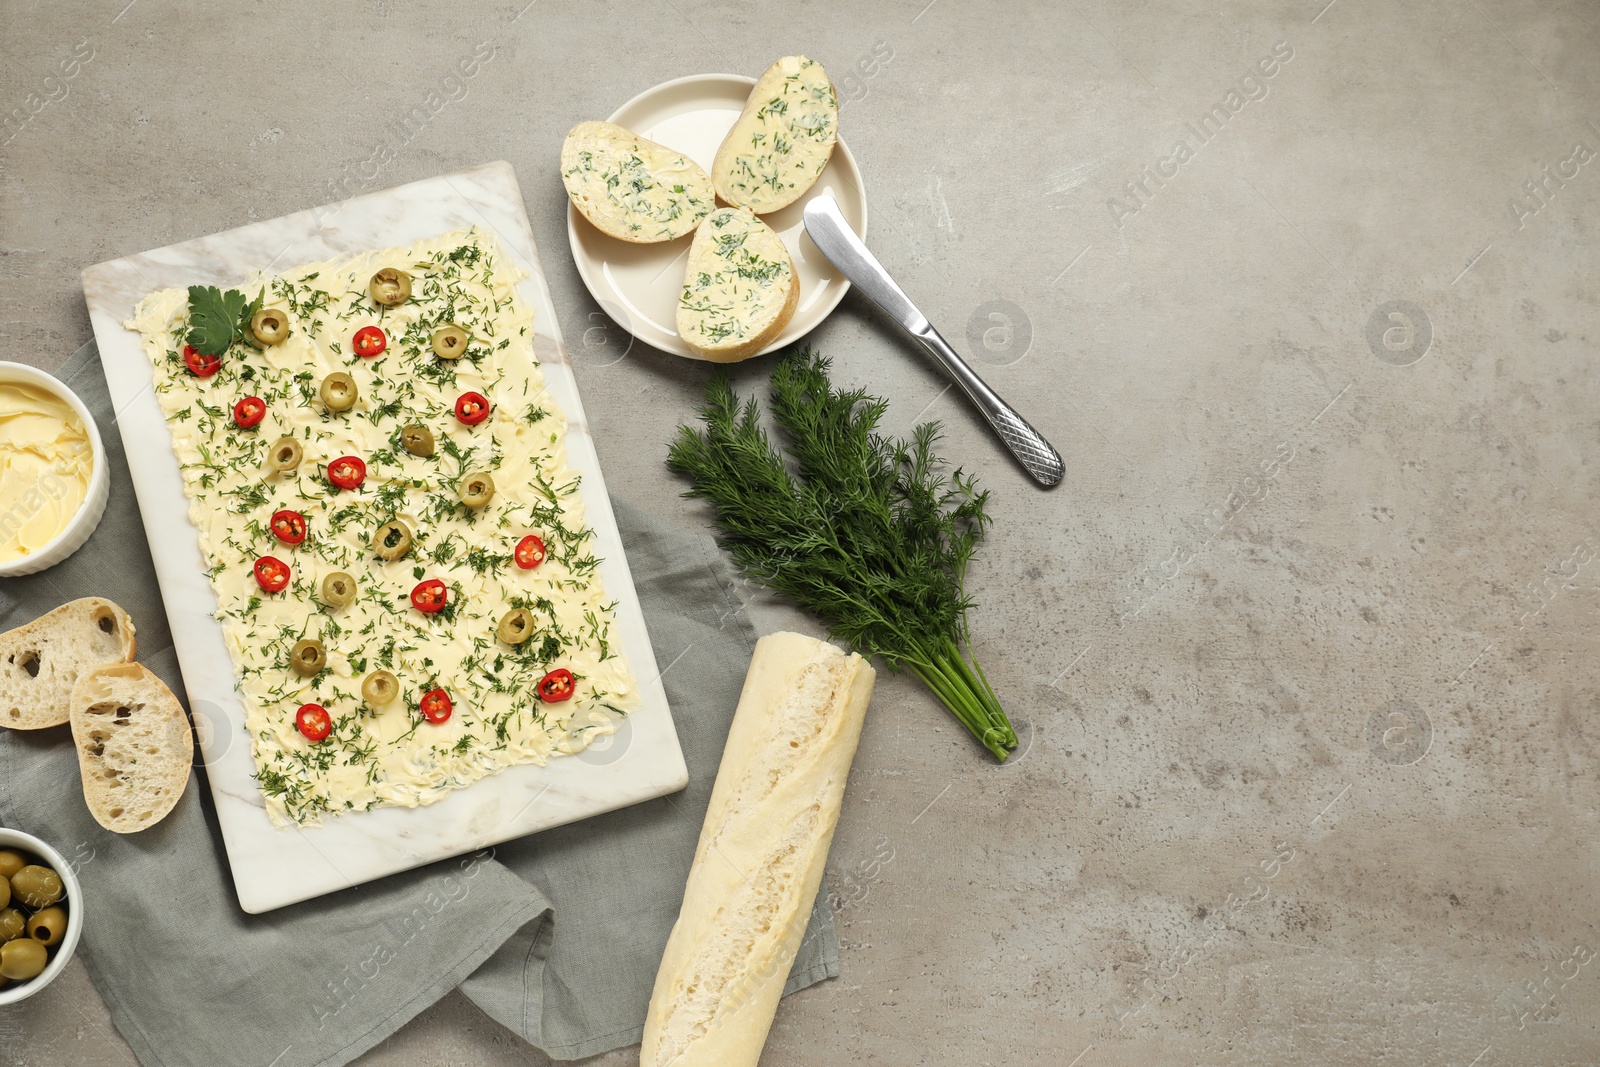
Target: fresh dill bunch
872, 535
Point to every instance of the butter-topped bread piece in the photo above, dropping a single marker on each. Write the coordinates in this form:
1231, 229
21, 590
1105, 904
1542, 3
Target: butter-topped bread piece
631, 188
761, 853
40, 662
782, 139
740, 289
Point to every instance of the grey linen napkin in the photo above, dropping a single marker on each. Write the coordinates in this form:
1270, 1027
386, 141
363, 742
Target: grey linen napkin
557, 935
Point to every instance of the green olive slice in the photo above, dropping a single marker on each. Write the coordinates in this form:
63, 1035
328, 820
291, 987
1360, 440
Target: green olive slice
338, 589
284, 455
339, 391
48, 926
450, 341
390, 287
269, 326
307, 657
379, 687
418, 440
476, 489
392, 540
516, 626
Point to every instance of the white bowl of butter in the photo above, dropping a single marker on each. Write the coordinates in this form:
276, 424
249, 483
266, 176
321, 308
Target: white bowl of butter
53, 476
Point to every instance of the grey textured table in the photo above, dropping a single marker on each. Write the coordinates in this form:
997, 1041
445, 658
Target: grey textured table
1303, 654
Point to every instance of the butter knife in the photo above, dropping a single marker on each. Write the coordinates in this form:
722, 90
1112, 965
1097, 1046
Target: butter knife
833, 235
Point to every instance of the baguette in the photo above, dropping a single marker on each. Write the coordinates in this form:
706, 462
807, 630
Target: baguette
782, 140
134, 746
631, 188
40, 662
761, 853
740, 288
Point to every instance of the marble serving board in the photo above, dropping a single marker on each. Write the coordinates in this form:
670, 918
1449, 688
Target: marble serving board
275, 866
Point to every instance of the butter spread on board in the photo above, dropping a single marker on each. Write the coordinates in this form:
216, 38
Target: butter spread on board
45, 463
391, 754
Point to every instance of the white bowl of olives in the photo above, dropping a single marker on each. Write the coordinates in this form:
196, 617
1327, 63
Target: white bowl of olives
40, 915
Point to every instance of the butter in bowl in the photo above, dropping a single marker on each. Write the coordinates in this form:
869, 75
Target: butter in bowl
53, 476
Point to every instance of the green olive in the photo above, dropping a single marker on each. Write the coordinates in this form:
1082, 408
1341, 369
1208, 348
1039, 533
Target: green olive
36, 886
418, 440
5, 892
338, 589
516, 626
339, 391
284, 455
11, 861
12, 924
379, 687
307, 657
392, 541
22, 958
269, 326
48, 926
390, 287
476, 489
450, 341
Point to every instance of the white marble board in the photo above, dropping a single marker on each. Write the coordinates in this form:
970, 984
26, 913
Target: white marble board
273, 867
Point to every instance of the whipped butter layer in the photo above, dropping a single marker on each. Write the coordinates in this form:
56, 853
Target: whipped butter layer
45, 463
391, 754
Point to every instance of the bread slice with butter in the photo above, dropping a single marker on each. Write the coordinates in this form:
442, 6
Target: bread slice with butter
740, 289
134, 746
40, 661
782, 139
631, 188
761, 854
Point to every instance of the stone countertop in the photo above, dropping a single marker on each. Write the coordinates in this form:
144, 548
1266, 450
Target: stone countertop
1303, 653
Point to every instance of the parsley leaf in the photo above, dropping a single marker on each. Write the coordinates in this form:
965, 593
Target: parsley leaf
214, 318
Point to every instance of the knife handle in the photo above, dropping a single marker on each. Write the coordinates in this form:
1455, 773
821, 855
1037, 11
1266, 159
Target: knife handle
1035, 454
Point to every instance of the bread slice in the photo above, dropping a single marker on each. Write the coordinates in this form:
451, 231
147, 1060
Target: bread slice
782, 139
135, 747
740, 289
40, 662
631, 188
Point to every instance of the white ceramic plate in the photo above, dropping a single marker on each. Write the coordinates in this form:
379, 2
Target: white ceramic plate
638, 285
273, 867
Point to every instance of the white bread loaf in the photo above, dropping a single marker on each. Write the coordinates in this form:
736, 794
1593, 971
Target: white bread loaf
40, 662
761, 854
740, 288
782, 140
134, 746
631, 188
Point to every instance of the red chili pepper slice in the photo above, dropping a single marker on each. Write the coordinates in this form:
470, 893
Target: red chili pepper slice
369, 341
436, 705
289, 526
347, 472
529, 552
248, 412
200, 365
313, 721
472, 408
429, 596
272, 574
556, 686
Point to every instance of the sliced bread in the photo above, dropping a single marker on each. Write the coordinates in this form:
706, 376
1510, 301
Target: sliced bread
631, 188
740, 289
134, 746
782, 139
40, 662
